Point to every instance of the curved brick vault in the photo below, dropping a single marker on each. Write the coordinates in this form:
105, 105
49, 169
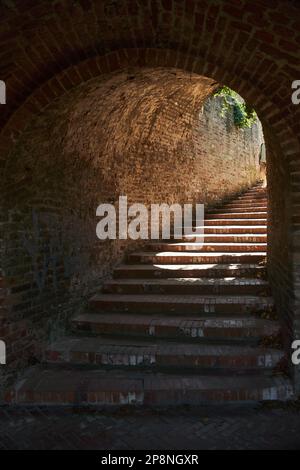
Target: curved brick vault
48, 48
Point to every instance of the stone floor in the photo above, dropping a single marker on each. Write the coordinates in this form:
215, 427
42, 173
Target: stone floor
220, 427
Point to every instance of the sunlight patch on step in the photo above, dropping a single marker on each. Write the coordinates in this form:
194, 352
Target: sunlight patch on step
174, 267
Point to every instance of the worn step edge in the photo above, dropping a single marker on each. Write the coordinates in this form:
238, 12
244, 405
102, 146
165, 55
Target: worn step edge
161, 271
102, 388
191, 304
211, 247
104, 351
179, 257
158, 326
188, 286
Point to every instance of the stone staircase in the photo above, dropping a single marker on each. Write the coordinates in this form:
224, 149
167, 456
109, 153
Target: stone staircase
180, 323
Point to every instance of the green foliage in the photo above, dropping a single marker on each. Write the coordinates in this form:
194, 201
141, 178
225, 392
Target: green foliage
244, 116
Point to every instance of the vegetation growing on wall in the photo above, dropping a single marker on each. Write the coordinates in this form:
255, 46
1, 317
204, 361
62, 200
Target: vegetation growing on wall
244, 116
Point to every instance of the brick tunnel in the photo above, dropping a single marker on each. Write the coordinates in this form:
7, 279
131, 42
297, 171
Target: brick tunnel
105, 98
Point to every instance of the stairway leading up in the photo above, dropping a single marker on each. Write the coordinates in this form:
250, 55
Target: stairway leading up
179, 323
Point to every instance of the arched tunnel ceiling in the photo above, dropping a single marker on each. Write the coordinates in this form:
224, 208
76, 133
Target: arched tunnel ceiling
256, 41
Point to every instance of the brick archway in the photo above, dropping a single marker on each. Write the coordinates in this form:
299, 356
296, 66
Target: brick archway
241, 45
267, 106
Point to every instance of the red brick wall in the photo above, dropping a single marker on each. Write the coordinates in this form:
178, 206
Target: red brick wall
280, 258
144, 134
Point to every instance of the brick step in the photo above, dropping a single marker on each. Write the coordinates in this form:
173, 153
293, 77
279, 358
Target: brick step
233, 229
250, 198
239, 209
103, 351
245, 204
261, 223
99, 388
207, 247
189, 304
237, 215
223, 238
246, 198
243, 208
175, 327
127, 271
194, 286
257, 189
170, 257
252, 192
255, 194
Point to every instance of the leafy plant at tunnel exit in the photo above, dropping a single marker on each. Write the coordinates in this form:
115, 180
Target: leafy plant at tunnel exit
244, 116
